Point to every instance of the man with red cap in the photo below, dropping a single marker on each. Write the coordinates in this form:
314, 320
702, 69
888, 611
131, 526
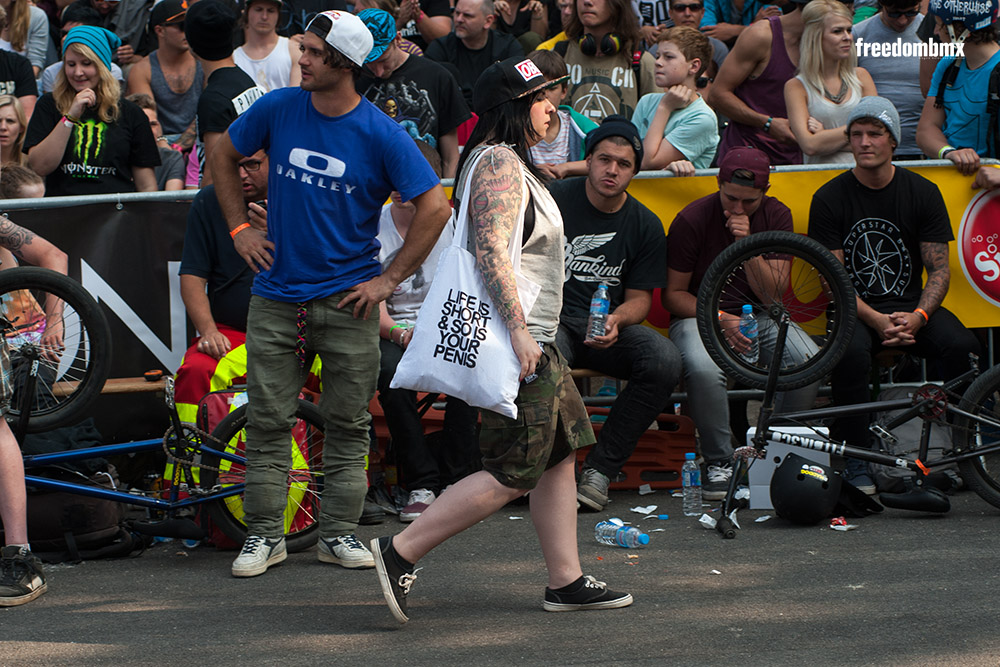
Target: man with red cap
702, 230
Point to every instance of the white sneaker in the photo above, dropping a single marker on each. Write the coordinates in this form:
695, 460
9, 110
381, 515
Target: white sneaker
258, 554
345, 551
415, 505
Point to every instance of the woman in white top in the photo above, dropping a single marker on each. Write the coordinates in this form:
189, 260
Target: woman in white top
828, 86
26, 32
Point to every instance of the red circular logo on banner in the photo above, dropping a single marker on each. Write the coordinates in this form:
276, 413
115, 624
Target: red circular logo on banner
979, 245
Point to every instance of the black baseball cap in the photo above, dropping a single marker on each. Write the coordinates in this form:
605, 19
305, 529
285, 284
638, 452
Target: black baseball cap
508, 80
168, 12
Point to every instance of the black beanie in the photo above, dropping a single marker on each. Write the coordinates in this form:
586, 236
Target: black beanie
614, 126
209, 26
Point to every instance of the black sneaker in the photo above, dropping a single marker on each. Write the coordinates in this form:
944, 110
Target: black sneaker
583, 594
592, 491
394, 578
717, 476
21, 576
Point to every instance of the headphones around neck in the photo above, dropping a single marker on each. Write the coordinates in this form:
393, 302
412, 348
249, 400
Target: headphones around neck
609, 46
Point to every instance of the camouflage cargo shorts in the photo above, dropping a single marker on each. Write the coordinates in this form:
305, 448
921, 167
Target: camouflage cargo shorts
551, 424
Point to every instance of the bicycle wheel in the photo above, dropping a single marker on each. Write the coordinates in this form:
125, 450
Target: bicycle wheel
305, 477
39, 303
779, 273
982, 398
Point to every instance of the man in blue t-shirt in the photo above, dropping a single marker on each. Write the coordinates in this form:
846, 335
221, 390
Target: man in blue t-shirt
954, 124
334, 159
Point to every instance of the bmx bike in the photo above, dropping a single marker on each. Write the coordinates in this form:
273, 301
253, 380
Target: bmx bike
60, 349
800, 290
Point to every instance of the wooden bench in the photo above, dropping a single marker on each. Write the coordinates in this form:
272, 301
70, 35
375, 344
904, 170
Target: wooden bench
134, 385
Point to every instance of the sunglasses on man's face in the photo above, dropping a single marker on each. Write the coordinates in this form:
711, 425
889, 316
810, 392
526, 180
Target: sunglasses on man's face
693, 7
910, 13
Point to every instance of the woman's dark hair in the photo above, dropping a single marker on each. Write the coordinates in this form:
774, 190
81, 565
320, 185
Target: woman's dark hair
509, 123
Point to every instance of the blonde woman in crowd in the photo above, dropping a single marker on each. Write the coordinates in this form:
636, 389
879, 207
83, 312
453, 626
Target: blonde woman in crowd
83, 137
828, 86
13, 125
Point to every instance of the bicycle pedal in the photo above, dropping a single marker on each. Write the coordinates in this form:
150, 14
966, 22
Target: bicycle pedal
181, 529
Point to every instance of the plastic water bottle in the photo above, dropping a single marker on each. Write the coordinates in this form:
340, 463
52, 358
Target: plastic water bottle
748, 327
600, 305
691, 481
614, 533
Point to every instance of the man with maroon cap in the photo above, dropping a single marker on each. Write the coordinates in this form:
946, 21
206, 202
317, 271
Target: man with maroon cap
702, 230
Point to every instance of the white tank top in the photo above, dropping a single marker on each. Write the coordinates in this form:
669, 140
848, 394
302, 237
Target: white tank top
269, 73
832, 116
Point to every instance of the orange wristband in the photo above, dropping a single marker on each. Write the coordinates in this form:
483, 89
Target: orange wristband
239, 229
923, 312
720, 315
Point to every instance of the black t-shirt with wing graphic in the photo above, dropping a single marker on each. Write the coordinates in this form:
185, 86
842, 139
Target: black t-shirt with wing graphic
880, 232
626, 249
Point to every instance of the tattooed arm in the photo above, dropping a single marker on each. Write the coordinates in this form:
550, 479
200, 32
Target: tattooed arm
33, 249
494, 204
36, 250
935, 259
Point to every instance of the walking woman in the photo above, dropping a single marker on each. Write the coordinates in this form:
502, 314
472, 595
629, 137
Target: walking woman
536, 453
828, 86
83, 137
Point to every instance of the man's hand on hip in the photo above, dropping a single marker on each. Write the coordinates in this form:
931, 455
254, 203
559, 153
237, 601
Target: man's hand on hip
368, 295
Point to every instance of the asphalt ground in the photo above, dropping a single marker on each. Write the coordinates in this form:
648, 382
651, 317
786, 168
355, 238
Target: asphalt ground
901, 589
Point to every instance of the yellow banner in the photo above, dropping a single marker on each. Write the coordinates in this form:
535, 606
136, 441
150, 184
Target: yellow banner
974, 295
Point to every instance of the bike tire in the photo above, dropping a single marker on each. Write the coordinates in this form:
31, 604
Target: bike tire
817, 296
301, 517
64, 390
982, 398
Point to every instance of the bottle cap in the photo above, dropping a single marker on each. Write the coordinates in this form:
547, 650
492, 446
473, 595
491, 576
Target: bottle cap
747, 309
644, 539
689, 456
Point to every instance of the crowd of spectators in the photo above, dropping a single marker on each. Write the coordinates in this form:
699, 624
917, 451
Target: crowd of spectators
798, 69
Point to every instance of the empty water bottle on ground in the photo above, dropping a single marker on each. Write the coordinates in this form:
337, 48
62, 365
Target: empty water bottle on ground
600, 305
691, 481
615, 533
748, 327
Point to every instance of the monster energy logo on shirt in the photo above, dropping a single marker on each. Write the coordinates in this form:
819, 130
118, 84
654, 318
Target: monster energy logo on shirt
87, 141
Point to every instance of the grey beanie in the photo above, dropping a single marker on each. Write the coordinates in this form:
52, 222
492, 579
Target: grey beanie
881, 110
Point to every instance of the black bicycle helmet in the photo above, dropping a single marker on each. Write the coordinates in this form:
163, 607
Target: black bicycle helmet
803, 491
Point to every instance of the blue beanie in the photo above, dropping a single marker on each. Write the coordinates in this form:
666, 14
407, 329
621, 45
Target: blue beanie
102, 42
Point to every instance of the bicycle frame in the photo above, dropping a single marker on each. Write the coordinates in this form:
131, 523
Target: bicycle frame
768, 428
174, 501
140, 446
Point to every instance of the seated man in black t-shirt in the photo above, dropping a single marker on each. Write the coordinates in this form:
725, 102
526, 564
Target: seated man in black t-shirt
887, 225
612, 238
215, 288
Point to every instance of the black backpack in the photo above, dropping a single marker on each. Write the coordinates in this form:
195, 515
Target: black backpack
68, 527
